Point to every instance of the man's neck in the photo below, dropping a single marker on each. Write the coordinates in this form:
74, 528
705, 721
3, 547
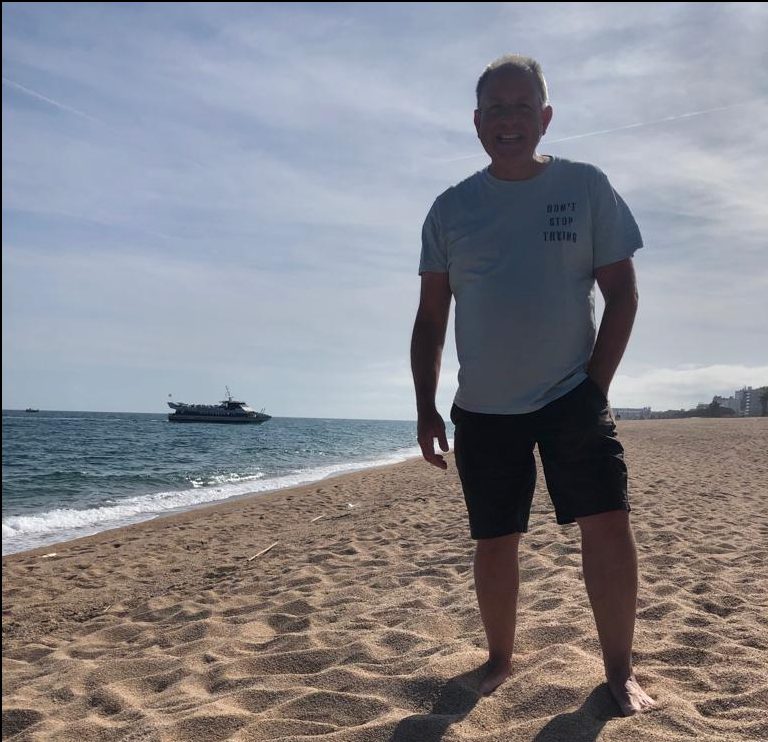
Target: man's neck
520, 171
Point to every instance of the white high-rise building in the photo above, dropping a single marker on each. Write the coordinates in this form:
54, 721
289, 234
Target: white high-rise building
749, 402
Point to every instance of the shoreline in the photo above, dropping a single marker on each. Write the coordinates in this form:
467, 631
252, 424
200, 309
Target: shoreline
226, 505
349, 467
363, 625
153, 517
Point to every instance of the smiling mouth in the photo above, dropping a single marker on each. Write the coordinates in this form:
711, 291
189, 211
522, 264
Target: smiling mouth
509, 138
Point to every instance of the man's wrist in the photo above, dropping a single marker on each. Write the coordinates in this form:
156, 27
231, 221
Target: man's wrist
602, 380
426, 407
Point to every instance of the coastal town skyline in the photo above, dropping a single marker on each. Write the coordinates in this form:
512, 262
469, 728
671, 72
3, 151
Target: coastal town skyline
745, 402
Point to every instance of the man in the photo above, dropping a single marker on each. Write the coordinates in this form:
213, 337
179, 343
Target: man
519, 246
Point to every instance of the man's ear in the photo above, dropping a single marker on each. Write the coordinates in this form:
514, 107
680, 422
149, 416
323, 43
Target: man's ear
546, 118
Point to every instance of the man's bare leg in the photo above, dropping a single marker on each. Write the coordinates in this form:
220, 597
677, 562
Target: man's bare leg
609, 560
497, 580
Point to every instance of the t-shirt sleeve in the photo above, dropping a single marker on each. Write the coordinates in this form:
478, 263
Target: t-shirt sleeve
615, 234
434, 254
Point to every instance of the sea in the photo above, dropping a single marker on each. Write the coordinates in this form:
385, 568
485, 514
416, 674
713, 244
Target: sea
73, 474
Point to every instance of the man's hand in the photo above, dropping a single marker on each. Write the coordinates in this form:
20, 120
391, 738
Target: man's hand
429, 427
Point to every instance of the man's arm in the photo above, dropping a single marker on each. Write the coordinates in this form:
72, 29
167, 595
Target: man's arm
619, 289
426, 353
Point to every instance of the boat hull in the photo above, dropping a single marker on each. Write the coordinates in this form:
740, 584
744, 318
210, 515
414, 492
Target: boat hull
175, 418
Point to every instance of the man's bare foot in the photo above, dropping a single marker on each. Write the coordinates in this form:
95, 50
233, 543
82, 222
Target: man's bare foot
494, 674
631, 698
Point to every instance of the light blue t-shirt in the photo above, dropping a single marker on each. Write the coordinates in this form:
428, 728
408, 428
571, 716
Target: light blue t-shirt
521, 256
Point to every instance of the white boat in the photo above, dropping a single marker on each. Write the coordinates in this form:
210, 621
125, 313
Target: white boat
227, 411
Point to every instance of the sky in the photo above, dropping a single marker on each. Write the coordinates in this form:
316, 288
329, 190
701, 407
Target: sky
206, 195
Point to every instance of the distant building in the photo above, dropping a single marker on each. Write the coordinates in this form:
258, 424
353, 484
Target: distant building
748, 401
730, 402
632, 413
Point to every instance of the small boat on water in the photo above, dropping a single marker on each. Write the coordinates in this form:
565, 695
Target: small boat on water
228, 411
31, 409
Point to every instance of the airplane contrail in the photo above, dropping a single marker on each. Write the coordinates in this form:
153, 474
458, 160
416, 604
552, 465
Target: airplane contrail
63, 107
676, 117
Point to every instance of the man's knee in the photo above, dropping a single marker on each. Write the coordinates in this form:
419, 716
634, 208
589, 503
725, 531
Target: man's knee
611, 523
500, 545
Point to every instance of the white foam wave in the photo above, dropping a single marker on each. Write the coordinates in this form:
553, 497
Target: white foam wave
225, 479
22, 532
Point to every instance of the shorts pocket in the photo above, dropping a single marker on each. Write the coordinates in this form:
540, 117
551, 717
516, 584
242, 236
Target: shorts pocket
454, 415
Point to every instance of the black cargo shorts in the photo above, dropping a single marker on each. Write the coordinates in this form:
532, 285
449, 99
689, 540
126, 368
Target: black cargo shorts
582, 457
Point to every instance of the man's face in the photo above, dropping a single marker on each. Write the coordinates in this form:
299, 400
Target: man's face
510, 119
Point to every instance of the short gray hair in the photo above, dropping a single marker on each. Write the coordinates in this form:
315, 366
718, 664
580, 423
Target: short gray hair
519, 63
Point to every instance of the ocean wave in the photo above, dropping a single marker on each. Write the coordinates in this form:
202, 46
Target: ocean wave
22, 532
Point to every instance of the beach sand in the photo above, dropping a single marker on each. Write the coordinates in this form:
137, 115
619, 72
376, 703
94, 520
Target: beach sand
363, 625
